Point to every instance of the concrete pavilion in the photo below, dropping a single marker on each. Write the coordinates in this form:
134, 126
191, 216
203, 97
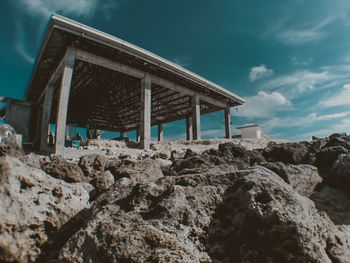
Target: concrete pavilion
92, 79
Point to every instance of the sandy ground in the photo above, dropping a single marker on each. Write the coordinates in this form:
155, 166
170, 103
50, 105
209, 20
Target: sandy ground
165, 148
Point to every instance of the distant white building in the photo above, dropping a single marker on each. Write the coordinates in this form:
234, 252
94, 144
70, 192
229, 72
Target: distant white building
250, 131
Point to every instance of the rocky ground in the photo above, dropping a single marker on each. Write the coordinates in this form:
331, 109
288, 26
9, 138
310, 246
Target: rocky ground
212, 201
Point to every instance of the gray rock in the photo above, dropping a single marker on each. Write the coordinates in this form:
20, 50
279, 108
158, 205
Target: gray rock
327, 156
7, 134
339, 174
102, 181
8, 142
335, 203
33, 160
139, 171
289, 153
59, 168
91, 163
242, 216
302, 178
261, 219
33, 206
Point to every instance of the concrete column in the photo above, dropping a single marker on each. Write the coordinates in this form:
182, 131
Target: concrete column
189, 135
160, 132
63, 101
196, 118
45, 119
123, 134
227, 123
145, 117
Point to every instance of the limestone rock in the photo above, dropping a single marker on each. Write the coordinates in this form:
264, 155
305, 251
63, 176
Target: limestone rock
7, 134
338, 139
91, 163
147, 170
242, 216
302, 178
292, 153
166, 155
261, 219
335, 203
327, 156
339, 174
33, 160
33, 205
102, 181
59, 168
8, 142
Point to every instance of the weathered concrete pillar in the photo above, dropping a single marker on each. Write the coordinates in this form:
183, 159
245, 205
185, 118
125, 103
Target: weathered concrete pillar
145, 117
227, 123
45, 119
160, 132
196, 118
189, 135
63, 99
123, 134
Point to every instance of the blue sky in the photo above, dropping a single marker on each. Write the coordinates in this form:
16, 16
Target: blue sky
290, 60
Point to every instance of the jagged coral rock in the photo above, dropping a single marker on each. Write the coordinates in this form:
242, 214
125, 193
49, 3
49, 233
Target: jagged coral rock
244, 216
33, 205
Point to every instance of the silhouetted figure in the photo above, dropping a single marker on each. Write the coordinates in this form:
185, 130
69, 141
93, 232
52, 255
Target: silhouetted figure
51, 138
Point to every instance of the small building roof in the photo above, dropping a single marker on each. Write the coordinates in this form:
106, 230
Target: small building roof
248, 126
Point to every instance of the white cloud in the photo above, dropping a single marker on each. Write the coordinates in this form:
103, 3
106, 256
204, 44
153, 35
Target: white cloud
302, 121
342, 126
333, 116
47, 7
301, 62
305, 35
298, 37
301, 81
341, 98
262, 105
183, 60
19, 45
259, 72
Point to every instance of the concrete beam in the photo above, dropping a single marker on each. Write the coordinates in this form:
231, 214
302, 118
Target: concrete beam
196, 118
56, 74
110, 64
173, 86
227, 123
145, 114
160, 132
189, 134
128, 70
63, 99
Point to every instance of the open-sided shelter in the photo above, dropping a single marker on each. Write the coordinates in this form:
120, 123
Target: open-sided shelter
90, 78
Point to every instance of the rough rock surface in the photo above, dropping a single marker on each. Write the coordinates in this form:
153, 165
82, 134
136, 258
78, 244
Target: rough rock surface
33, 205
59, 168
139, 171
247, 216
229, 203
302, 178
92, 163
339, 175
293, 153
